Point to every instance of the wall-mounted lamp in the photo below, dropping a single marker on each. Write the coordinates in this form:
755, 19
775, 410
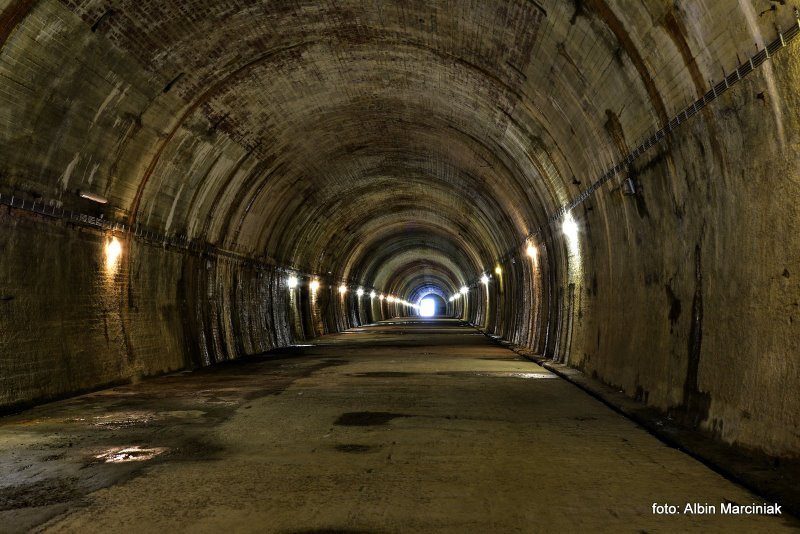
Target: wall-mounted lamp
291, 282
570, 227
94, 197
113, 251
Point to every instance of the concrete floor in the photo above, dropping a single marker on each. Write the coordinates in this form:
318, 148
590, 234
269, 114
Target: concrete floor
403, 426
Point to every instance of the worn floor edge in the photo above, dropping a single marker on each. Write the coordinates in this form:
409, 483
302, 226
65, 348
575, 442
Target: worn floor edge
752, 470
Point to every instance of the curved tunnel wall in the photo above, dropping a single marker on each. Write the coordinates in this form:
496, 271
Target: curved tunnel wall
391, 147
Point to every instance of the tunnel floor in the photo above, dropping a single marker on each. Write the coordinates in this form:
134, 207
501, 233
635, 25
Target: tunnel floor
401, 426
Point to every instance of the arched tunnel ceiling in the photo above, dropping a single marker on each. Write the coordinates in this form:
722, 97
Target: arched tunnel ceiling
366, 139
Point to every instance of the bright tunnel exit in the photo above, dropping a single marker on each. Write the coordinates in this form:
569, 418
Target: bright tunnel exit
431, 305
427, 307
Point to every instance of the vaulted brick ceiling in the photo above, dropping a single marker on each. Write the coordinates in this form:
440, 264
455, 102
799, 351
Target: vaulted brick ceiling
404, 131
324, 135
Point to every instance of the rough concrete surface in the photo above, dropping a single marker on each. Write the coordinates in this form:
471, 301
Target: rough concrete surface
408, 147
398, 427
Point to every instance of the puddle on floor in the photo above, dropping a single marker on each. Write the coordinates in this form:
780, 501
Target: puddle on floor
497, 374
383, 374
367, 418
135, 453
354, 448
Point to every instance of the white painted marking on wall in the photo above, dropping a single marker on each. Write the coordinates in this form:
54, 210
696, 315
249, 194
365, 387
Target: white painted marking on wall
90, 180
68, 171
172, 209
115, 92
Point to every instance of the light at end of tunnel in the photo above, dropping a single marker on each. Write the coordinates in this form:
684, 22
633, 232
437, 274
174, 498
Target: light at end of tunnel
427, 307
531, 251
113, 252
291, 282
360, 292
498, 271
342, 289
372, 294
314, 285
484, 279
464, 290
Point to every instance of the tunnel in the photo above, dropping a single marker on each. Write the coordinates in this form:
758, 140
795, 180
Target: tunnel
399, 265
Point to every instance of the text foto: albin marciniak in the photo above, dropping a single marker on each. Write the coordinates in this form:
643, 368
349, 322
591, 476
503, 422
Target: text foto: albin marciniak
723, 508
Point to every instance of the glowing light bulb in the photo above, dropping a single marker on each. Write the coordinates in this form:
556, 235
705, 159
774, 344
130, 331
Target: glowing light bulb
484, 279
342, 289
464, 290
381, 297
314, 285
372, 294
113, 252
360, 292
498, 270
531, 251
291, 282
390, 298
570, 227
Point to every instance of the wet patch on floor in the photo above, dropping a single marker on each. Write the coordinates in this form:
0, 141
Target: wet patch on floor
284, 378
355, 448
383, 374
118, 455
497, 374
367, 418
57, 454
332, 531
42, 493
